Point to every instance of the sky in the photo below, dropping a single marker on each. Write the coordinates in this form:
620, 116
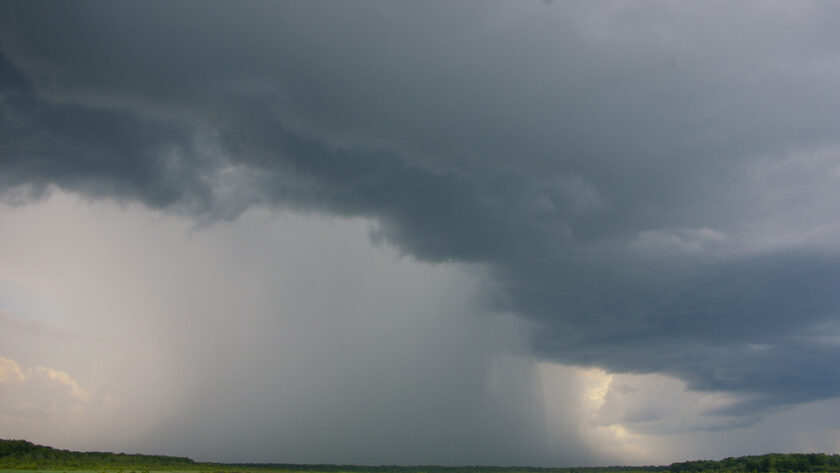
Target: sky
514, 233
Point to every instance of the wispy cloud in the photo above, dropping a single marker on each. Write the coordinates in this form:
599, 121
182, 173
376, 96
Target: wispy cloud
44, 393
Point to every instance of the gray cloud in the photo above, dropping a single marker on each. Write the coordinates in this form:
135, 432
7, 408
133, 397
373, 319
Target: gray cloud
653, 188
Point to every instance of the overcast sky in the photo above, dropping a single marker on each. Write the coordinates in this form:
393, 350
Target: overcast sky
533, 232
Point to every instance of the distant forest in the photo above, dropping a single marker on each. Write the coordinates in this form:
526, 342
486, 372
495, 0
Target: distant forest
24, 455
774, 462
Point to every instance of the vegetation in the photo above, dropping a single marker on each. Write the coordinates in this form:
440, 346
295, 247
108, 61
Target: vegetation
23, 455
18, 455
774, 462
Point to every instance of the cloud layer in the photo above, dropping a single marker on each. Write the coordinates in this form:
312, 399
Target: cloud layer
652, 188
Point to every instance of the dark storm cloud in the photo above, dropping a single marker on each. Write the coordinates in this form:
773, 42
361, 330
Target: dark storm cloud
101, 153
653, 188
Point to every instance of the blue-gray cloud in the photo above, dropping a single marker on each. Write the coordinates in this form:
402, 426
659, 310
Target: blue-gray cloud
653, 189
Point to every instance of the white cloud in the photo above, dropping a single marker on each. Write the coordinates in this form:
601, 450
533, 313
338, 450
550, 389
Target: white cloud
10, 372
44, 395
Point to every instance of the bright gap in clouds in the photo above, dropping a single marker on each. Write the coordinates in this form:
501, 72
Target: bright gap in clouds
654, 419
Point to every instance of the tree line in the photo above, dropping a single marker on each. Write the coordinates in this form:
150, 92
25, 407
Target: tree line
24, 455
773, 462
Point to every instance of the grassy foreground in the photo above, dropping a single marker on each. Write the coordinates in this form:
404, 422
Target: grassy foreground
20, 455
